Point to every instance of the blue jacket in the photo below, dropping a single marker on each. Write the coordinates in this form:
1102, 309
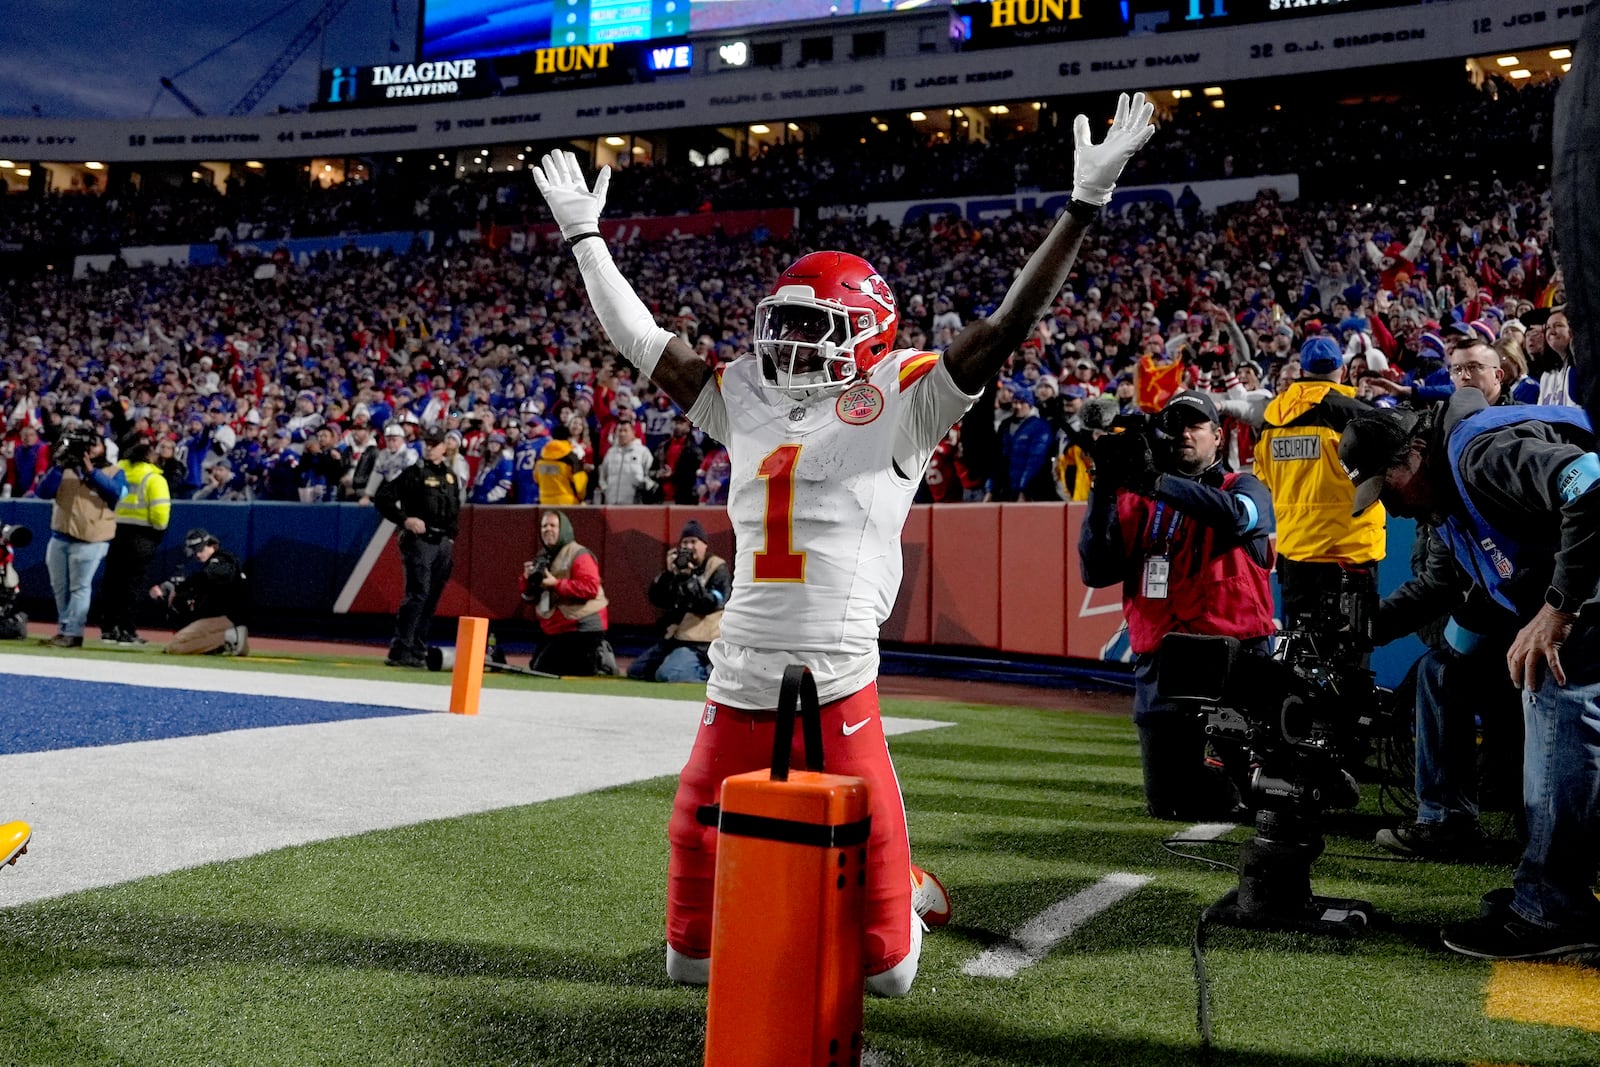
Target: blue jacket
1023, 454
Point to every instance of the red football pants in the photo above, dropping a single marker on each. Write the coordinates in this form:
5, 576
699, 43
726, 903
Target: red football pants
732, 741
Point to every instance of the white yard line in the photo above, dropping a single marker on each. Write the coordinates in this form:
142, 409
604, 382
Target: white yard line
1034, 939
1204, 831
107, 814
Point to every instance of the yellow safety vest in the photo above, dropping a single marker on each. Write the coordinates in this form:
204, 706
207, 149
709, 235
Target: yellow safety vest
1297, 458
148, 501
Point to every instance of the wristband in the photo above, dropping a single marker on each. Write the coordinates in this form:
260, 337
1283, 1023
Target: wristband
578, 237
1082, 210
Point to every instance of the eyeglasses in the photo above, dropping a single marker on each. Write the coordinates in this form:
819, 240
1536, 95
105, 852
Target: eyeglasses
1467, 370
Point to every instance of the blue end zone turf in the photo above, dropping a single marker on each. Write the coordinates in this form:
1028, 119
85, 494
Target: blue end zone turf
42, 714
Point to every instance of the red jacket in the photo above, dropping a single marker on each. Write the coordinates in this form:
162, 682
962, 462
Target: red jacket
1228, 595
582, 584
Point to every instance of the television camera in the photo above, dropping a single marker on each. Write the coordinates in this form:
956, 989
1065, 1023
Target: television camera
13, 623
1294, 723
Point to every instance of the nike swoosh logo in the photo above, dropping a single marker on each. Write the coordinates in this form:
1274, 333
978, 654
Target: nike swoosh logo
848, 729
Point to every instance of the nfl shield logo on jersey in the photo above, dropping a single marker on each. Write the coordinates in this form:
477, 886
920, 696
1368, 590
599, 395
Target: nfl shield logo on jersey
859, 404
1502, 563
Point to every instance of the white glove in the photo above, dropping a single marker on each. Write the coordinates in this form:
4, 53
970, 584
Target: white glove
1096, 167
576, 209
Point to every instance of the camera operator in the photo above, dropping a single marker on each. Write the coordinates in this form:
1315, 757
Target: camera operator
1458, 680
1190, 548
692, 593
563, 584
1515, 493
424, 500
83, 521
142, 516
209, 604
1319, 543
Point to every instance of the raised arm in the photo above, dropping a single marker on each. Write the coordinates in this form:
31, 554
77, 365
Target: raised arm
978, 351
660, 355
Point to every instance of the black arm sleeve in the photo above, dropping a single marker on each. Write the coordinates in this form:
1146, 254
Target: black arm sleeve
1529, 469
1241, 514
388, 499
1102, 557
711, 593
1436, 587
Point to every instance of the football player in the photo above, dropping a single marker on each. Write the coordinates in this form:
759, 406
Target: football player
828, 429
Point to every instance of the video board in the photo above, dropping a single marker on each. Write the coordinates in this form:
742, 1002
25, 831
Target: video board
484, 29
461, 29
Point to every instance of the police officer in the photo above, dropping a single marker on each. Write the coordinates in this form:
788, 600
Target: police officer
425, 502
1297, 458
1515, 494
1190, 549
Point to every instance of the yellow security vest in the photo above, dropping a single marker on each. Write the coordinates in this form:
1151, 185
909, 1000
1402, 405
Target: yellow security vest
1297, 458
559, 483
148, 501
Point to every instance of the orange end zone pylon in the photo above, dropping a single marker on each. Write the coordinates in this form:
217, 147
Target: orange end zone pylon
466, 679
789, 906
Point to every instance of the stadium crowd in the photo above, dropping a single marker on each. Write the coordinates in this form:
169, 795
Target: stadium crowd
1197, 143
316, 381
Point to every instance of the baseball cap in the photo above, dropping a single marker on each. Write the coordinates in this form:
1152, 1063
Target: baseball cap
1369, 446
1022, 395
1319, 355
1187, 408
435, 435
394, 429
196, 539
1074, 392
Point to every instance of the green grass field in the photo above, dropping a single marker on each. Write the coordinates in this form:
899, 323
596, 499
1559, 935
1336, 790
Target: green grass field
534, 935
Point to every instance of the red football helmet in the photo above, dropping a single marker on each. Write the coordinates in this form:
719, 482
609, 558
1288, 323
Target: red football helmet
830, 317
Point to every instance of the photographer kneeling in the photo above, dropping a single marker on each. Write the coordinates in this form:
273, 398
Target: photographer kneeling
564, 585
692, 592
209, 604
1189, 546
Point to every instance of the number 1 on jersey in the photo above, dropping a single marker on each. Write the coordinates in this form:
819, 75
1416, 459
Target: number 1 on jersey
777, 561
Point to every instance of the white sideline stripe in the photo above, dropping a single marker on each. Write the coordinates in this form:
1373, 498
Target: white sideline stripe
364, 565
112, 813
1034, 939
1204, 831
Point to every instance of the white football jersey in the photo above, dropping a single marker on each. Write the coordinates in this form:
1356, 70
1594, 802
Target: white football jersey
818, 494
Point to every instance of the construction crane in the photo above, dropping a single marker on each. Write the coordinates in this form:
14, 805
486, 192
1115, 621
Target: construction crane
288, 57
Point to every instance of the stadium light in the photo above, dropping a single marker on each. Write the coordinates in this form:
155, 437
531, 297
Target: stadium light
1213, 90
1177, 94
1565, 67
1038, 105
95, 166
883, 127
616, 142
638, 149
793, 128
1402, 181
1219, 103
1560, 53
24, 172
917, 116
999, 109
1518, 75
1508, 61
255, 164
6, 164
759, 128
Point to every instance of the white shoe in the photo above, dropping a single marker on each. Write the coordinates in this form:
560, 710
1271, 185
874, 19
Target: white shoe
687, 970
928, 897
